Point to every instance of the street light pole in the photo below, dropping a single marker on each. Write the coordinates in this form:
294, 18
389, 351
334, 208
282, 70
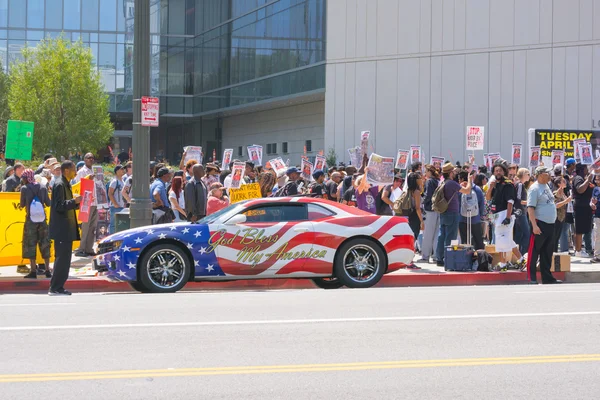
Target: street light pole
141, 208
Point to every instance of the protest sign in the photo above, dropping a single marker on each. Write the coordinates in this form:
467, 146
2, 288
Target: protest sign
415, 153
585, 150
237, 173
577, 149
381, 170
227, 155
558, 157
278, 165
492, 158
193, 153
306, 169
19, 140
402, 159
534, 156
101, 197
517, 150
320, 163
437, 162
474, 167
364, 142
549, 139
259, 148
596, 165
475, 136
354, 154
471, 158
87, 194
245, 192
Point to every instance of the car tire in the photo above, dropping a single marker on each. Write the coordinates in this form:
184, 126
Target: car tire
328, 283
138, 287
360, 263
157, 274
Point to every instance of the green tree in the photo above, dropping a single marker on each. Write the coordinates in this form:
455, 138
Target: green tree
4, 110
57, 87
331, 158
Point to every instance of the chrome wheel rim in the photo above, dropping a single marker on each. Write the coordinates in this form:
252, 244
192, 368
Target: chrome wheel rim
165, 269
361, 263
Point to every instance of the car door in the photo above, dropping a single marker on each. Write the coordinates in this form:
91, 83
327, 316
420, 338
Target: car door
275, 240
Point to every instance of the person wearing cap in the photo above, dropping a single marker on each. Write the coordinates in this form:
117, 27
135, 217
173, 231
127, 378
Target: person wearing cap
48, 160
212, 174
583, 188
88, 229
216, 199
7, 174
291, 187
115, 196
450, 218
317, 187
55, 174
161, 207
512, 172
541, 208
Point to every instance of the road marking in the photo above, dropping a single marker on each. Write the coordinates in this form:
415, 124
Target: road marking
294, 321
559, 291
36, 304
300, 368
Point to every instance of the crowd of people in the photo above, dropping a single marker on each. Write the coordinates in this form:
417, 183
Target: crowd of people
526, 217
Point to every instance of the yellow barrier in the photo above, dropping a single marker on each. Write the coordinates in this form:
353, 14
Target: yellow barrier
12, 219
245, 192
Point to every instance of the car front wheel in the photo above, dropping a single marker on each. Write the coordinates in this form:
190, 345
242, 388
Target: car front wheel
360, 263
165, 268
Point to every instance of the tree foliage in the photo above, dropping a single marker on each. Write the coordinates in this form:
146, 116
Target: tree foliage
57, 87
331, 158
4, 110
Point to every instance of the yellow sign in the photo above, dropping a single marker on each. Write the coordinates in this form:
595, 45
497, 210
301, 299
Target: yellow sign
12, 220
245, 192
550, 140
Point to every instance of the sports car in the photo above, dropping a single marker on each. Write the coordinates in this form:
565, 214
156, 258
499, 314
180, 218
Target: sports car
288, 237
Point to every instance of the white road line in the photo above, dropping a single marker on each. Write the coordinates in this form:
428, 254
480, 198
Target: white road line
294, 321
559, 291
35, 304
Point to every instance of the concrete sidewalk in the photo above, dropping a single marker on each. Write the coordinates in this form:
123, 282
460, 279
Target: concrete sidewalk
82, 279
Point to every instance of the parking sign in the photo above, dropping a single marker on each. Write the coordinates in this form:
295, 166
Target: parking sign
150, 110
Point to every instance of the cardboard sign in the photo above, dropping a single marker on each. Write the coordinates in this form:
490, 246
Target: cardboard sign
517, 150
278, 165
534, 156
415, 153
255, 154
471, 158
19, 140
354, 156
87, 198
402, 159
475, 136
558, 157
150, 111
577, 149
306, 170
193, 153
585, 150
381, 170
320, 163
364, 142
437, 162
245, 192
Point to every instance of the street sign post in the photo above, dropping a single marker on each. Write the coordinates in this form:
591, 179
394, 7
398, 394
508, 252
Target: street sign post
150, 109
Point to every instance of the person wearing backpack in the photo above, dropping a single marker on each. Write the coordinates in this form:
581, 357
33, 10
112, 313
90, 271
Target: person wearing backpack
445, 201
34, 197
472, 207
115, 197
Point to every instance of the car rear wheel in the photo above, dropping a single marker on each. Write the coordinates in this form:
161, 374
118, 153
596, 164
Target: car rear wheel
328, 283
360, 263
165, 268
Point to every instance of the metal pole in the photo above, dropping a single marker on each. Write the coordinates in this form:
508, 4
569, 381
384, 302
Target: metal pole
141, 208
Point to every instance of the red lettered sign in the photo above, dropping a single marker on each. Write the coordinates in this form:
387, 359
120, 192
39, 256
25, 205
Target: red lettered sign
150, 110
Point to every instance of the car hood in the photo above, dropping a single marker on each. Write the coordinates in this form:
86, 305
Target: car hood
164, 228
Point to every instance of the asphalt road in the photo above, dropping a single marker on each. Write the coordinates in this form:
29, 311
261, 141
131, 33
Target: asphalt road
502, 342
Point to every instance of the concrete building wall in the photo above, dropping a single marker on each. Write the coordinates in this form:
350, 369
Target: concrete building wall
294, 125
420, 71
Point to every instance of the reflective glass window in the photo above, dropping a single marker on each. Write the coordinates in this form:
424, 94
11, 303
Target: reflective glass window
3, 54
35, 14
16, 14
89, 16
72, 14
108, 15
54, 14
121, 15
3, 13
16, 34
35, 35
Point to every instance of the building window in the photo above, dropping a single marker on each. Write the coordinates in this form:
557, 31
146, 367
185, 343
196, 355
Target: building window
308, 146
272, 148
284, 147
240, 151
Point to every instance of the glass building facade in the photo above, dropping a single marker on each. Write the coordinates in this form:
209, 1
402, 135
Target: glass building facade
207, 57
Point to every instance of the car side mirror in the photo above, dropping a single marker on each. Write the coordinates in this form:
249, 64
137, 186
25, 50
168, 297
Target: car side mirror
236, 219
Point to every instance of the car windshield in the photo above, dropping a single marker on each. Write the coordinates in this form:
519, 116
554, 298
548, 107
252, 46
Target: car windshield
209, 219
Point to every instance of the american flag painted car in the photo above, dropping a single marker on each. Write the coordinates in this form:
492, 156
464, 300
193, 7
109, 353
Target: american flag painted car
288, 237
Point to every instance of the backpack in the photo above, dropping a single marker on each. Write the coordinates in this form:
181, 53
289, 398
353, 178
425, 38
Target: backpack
36, 210
438, 200
469, 206
403, 205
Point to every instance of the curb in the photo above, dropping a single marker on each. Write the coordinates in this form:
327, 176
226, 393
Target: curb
96, 285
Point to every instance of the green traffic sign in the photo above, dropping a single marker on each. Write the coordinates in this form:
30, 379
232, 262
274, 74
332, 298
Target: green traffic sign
19, 140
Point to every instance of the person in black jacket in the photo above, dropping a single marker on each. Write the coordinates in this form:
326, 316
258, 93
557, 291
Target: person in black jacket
63, 227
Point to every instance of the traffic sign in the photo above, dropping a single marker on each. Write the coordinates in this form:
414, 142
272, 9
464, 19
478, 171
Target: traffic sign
150, 111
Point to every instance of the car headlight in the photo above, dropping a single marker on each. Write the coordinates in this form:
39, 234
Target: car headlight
109, 246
